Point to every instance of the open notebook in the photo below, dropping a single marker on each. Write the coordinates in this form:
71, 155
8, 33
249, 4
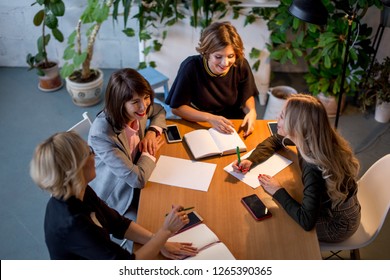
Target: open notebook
209, 142
208, 244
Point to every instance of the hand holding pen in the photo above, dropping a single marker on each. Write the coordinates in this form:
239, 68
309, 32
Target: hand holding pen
239, 165
175, 219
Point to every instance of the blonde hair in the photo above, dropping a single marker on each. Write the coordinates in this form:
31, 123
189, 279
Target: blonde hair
306, 121
218, 36
57, 164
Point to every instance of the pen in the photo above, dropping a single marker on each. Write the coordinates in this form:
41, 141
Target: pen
185, 209
238, 155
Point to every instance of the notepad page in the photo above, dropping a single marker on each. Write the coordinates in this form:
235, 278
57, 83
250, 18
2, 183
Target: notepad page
201, 143
227, 143
271, 166
216, 251
200, 236
183, 173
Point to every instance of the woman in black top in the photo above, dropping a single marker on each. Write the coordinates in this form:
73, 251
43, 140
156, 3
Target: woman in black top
218, 84
329, 170
78, 223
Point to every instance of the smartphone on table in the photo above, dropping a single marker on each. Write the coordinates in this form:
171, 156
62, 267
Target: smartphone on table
273, 127
256, 207
172, 134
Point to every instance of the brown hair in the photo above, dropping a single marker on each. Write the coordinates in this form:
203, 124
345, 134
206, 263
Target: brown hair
218, 36
122, 86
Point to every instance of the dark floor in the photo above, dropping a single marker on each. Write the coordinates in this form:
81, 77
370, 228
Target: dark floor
28, 116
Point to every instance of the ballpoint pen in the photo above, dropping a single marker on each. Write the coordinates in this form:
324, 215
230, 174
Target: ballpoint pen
184, 209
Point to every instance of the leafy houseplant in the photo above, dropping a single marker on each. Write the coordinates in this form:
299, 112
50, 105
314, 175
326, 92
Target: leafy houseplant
323, 48
376, 89
46, 17
83, 83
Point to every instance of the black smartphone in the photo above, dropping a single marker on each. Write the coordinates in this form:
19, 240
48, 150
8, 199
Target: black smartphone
194, 218
273, 127
172, 133
256, 207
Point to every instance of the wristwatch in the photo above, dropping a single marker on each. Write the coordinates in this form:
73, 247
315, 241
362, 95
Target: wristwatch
154, 130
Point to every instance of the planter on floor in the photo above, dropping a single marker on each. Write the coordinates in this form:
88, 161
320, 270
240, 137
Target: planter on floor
86, 94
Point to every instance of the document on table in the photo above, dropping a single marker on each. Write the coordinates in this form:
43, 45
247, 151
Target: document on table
183, 173
271, 166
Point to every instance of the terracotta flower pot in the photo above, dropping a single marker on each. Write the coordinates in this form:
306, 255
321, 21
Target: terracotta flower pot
330, 103
51, 81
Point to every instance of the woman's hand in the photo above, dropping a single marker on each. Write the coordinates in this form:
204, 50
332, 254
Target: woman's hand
176, 219
178, 250
270, 184
243, 167
151, 143
221, 124
249, 121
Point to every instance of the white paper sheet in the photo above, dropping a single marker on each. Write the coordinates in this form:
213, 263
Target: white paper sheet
183, 173
271, 166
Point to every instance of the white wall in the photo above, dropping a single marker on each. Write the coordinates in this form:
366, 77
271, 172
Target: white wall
18, 36
114, 50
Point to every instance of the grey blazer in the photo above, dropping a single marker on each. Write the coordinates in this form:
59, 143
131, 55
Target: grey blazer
116, 174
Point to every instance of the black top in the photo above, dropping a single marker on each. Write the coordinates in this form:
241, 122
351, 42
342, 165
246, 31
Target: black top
223, 95
316, 202
71, 233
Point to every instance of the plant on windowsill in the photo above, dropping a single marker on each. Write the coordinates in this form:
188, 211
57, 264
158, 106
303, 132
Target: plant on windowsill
84, 83
376, 90
47, 69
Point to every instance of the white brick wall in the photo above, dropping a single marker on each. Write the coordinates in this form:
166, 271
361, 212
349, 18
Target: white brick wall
113, 49
18, 36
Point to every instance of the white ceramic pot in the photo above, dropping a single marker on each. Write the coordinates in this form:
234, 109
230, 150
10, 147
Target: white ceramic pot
51, 81
86, 94
276, 98
382, 112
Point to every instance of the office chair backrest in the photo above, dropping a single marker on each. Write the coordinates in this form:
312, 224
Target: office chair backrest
83, 126
374, 195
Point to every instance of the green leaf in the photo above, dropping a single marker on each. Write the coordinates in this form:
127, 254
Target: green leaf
72, 37
58, 35
255, 53
129, 32
256, 65
156, 45
142, 65
327, 62
51, 21
69, 52
67, 70
79, 59
57, 8
38, 18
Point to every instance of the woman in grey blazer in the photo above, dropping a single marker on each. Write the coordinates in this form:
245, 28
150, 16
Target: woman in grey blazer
125, 150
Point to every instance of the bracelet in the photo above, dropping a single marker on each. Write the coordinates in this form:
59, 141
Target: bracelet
155, 131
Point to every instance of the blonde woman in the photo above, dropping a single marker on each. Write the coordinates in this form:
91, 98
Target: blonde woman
218, 84
329, 170
78, 223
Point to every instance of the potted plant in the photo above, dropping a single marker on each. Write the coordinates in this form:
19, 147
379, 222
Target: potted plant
322, 47
84, 83
376, 90
47, 69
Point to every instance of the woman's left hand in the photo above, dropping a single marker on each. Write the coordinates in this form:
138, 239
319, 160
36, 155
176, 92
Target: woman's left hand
150, 143
178, 250
270, 184
249, 121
